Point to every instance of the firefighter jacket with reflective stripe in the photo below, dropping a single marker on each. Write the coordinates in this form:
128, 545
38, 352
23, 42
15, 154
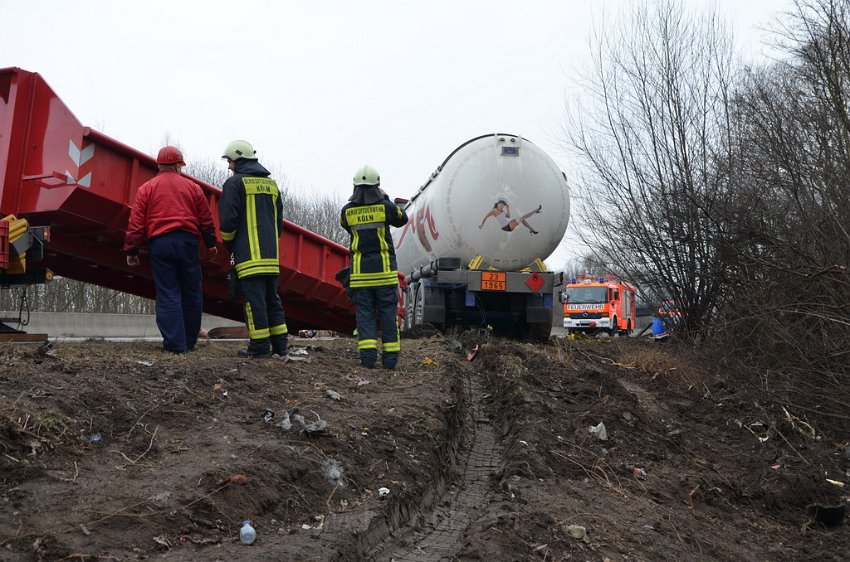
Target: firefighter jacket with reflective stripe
250, 219
373, 262
168, 202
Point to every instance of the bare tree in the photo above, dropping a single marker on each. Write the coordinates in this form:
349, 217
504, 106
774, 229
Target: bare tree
68, 295
212, 172
650, 140
319, 214
586, 264
786, 307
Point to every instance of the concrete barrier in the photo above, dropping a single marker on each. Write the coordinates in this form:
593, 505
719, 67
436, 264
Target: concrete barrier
101, 325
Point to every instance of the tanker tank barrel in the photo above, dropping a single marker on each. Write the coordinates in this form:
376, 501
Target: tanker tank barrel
496, 196
480, 227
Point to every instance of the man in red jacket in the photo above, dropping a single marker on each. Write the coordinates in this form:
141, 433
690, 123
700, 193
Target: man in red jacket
171, 212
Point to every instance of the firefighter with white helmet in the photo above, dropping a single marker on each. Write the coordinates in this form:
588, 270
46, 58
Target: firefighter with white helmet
239, 149
251, 221
373, 282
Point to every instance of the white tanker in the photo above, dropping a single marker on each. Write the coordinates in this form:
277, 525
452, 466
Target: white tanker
480, 227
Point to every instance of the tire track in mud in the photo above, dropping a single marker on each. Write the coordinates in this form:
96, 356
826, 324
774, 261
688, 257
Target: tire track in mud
645, 399
438, 535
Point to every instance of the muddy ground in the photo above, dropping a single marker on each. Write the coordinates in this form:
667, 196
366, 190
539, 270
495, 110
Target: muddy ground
112, 451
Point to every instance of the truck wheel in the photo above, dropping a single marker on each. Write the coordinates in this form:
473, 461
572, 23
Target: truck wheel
614, 330
419, 306
409, 297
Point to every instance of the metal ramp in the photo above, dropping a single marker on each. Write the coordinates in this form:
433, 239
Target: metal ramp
81, 183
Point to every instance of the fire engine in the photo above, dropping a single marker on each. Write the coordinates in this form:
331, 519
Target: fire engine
599, 304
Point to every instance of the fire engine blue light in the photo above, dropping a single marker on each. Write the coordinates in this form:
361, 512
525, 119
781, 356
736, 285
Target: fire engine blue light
574, 280
601, 279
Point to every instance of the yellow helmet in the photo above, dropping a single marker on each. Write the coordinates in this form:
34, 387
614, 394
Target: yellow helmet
239, 149
367, 175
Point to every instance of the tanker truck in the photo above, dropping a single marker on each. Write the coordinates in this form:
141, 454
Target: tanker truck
471, 255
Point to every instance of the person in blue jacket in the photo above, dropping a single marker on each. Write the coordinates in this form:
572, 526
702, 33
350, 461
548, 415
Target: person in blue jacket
659, 329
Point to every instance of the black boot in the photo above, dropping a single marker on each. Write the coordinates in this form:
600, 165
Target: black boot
279, 345
368, 358
389, 360
256, 350
254, 354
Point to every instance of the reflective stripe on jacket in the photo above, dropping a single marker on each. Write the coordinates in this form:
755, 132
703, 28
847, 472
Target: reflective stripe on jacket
250, 214
373, 262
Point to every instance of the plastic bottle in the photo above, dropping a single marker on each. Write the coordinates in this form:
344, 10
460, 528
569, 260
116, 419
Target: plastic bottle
247, 534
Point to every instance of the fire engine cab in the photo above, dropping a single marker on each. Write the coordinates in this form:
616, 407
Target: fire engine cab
599, 304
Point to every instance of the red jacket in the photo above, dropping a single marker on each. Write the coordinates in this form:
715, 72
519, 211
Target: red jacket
169, 202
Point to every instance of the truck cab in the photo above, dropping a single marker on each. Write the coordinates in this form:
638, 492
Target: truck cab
598, 305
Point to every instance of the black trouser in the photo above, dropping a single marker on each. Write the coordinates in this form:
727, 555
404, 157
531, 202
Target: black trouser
264, 314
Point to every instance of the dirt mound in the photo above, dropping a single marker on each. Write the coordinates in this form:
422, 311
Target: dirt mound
474, 448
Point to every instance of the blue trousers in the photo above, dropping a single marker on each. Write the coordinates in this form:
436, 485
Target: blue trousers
176, 271
373, 305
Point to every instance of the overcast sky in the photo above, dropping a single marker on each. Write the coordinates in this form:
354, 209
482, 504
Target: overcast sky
321, 87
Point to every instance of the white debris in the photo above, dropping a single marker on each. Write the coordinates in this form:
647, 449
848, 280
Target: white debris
576, 531
599, 432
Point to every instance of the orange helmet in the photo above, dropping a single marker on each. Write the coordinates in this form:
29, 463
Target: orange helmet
170, 155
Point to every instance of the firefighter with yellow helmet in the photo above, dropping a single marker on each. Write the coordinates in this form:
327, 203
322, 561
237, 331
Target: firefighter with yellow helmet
251, 221
373, 284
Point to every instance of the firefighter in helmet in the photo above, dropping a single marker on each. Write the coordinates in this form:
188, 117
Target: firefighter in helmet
374, 277
251, 222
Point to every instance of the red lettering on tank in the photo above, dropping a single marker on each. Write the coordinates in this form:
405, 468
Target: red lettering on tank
432, 226
404, 231
424, 215
418, 223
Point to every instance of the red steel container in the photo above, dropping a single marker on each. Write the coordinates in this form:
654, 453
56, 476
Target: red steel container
54, 171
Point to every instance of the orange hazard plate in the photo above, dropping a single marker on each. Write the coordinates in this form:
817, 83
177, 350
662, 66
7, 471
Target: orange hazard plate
493, 281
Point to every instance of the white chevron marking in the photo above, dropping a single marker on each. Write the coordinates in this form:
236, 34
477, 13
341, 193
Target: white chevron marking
80, 157
74, 153
86, 154
85, 181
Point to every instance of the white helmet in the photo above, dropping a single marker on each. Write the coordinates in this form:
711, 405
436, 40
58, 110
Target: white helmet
239, 149
367, 175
